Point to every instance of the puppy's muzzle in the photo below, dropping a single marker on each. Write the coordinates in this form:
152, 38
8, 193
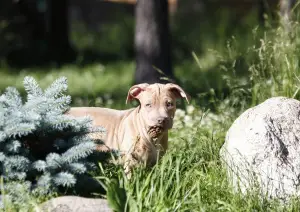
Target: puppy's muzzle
155, 131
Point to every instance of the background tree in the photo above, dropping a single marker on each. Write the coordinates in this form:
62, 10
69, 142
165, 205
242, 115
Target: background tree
58, 31
42, 28
152, 41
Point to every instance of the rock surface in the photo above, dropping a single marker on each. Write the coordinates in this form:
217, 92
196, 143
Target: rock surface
75, 204
262, 148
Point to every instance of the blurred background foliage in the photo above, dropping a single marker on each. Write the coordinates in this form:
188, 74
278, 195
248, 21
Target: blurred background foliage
210, 42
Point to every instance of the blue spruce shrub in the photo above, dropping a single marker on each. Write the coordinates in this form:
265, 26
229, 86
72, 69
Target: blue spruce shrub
41, 145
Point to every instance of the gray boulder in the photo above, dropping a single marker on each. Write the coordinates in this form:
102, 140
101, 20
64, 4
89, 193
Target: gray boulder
75, 204
262, 149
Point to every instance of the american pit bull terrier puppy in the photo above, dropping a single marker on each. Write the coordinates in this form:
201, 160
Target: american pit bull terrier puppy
141, 133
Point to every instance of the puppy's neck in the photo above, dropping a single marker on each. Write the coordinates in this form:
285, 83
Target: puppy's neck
141, 128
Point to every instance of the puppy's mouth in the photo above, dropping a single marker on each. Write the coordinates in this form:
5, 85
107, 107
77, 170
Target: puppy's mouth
155, 131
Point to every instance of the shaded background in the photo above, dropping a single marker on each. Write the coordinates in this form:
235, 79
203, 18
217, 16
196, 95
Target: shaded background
93, 43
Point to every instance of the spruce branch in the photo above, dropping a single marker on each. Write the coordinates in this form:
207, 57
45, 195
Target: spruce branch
39, 143
32, 88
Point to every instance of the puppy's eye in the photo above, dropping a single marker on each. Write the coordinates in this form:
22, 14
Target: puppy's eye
148, 105
169, 104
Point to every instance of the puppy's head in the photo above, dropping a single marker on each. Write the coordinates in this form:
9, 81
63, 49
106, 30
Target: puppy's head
157, 105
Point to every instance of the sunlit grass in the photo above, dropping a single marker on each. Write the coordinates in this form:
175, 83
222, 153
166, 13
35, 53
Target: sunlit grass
83, 81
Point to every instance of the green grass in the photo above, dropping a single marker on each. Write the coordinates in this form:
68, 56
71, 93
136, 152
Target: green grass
88, 80
190, 177
224, 83
94, 84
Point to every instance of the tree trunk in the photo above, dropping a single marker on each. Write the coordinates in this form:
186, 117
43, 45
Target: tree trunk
58, 31
152, 41
34, 18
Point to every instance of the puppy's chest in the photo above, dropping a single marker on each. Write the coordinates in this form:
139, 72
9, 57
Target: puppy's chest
145, 151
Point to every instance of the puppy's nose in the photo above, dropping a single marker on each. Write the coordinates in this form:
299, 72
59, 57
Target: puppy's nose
162, 120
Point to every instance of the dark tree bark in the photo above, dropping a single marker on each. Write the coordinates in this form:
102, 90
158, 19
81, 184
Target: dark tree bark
152, 41
35, 19
58, 31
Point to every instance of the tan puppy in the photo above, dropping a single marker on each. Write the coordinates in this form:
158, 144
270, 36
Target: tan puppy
141, 133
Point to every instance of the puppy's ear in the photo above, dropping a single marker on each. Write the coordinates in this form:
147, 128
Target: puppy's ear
135, 91
178, 91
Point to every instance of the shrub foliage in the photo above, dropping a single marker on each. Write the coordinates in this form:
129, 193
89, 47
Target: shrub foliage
39, 144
